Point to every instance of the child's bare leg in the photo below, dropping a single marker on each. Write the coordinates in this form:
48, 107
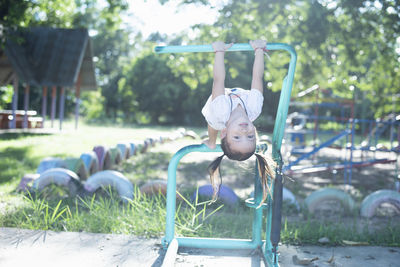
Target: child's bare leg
258, 65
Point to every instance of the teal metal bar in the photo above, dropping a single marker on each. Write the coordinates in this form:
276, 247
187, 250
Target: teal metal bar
171, 186
269, 249
208, 48
217, 243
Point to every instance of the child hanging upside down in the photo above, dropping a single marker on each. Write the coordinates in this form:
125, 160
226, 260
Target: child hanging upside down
232, 112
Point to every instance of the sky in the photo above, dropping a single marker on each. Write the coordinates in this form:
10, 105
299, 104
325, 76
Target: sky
150, 16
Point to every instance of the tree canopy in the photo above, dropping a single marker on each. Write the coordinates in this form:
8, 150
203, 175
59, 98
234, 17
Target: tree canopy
350, 47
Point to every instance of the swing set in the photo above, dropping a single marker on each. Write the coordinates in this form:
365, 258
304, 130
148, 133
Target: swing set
273, 206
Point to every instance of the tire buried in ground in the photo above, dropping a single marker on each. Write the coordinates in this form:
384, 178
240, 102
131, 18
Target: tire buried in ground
371, 203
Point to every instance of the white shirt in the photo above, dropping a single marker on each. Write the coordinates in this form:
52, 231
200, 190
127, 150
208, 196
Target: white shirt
217, 111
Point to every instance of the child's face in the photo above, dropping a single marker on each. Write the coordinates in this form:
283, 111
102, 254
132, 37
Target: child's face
241, 135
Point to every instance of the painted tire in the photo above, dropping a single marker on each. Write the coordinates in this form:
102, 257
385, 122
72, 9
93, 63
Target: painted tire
204, 135
124, 148
23, 184
49, 163
174, 136
372, 201
265, 138
299, 116
58, 176
116, 156
151, 142
154, 187
104, 157
77, 166
181, 131
132, 149
289, 197
145, 146
324, 194
139, 147
91, 162
226, 194
110, 178
161, 139
191, 134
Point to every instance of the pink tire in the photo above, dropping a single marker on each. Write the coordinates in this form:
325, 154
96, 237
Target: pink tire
103, 156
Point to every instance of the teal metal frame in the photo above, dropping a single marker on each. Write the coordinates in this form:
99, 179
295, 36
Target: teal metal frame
273, 208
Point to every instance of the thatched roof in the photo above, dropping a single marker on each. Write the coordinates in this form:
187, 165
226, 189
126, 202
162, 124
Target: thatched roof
48, 57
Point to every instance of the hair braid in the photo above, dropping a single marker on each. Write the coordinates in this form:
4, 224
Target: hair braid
265, 168
214, 171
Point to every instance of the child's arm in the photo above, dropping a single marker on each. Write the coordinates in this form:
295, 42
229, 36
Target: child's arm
219, 68
258, 65
218, 85
212, 137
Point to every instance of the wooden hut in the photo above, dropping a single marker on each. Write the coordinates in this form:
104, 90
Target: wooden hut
48, 58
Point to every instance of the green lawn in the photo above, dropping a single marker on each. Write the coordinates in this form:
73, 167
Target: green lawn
145, 216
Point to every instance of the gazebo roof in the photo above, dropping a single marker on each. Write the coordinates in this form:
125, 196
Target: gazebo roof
43, 56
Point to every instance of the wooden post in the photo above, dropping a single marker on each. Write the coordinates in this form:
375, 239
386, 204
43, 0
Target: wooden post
53, 104
14, 103
26, 104
78, 100
44, 105
62, 100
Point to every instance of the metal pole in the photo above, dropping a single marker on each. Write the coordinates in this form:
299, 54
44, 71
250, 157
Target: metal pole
44, 105
14, 103
53, 104
62, 103
26, 104
78, 100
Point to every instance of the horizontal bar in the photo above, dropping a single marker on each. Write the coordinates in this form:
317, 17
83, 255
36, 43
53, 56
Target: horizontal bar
217, 243
209, 48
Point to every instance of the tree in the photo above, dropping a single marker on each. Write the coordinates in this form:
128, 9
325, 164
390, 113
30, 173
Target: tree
159, 93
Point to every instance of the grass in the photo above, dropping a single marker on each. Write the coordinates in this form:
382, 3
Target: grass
144, 215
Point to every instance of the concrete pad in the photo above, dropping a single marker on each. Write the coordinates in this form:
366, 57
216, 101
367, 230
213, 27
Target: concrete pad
47, 248
19, 247
365, 256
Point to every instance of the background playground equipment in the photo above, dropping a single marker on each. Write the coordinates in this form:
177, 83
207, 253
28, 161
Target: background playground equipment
346, 130
273, 221
354, 153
